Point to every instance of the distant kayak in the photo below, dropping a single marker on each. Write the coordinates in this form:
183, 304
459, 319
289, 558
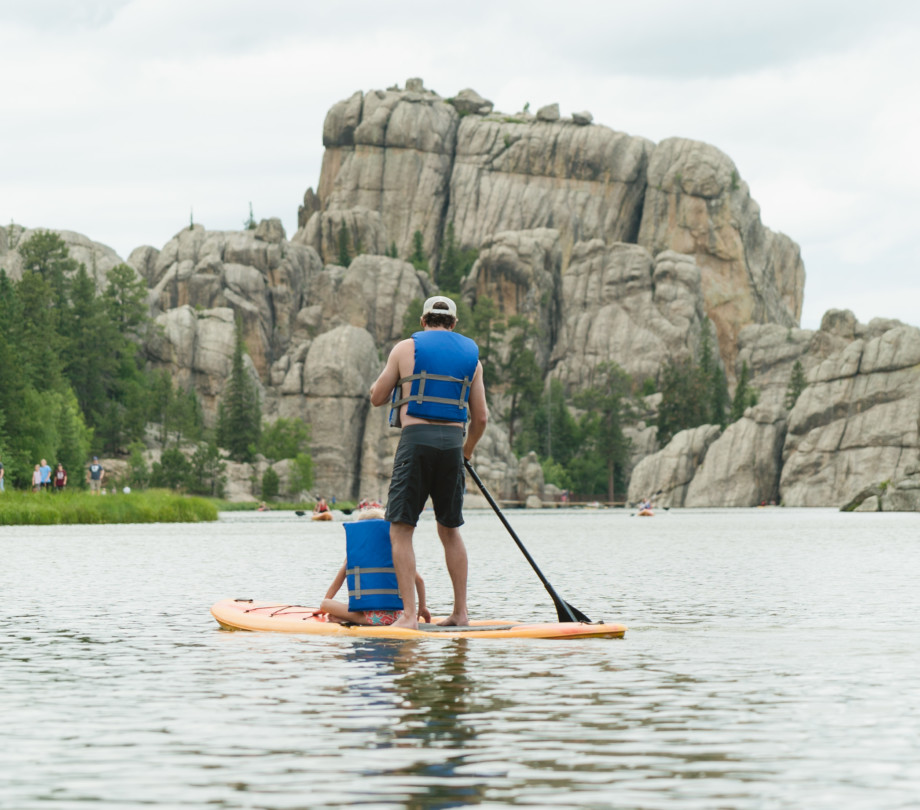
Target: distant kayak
645, 513
321, 516
279, 617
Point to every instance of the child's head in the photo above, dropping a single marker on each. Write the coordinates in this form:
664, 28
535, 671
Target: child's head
371, 514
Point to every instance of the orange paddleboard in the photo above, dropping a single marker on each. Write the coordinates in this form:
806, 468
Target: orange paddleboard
282, 617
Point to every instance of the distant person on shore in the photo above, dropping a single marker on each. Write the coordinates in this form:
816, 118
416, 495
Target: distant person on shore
95, 474
36, 479
45, 471
60, 478
373, 592
2, 484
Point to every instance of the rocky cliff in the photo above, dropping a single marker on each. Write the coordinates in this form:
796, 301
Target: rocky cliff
613, 247
406, 160
857, 423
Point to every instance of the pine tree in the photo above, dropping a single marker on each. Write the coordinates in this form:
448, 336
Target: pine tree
344, 252
207, 471
712, 382
47, 255
418, 259
606, 405
745, 396
239, 418
449, 274
524, 379
90, 347
549, 429
285, 438
487, 324
126, 300
684, 402
797, 383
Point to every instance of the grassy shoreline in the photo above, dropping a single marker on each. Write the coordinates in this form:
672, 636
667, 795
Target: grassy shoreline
151, 506
279, 506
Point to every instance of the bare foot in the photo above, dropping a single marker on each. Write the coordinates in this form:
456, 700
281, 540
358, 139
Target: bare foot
455, 621
403, 621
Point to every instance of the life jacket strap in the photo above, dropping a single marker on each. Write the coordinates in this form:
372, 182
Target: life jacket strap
419, 396
358, 591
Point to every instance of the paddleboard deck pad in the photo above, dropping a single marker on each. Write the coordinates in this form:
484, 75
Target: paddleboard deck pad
280, 617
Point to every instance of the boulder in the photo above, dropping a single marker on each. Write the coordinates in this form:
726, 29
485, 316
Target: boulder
364, 229
257, 274
469, 101
899, 496
548, 113
196, 348
530, 479
310, 206
742, 466
373, 292
96, 257
337, 374
270, 230
856, 422
696, 204
665, 476
391, 152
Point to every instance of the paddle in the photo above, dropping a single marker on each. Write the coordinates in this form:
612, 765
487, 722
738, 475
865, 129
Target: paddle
564, 610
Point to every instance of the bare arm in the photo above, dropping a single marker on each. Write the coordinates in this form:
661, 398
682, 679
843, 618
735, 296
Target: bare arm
479, 413
383, 386
336, 583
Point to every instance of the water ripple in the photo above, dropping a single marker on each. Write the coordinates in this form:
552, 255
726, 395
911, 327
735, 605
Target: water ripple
770, 663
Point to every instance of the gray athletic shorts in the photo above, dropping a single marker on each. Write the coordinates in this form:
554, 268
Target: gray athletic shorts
429, 461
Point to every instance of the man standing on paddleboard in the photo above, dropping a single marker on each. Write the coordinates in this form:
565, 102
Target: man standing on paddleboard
434, 382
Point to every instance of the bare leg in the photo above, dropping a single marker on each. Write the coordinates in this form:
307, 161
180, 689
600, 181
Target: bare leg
457, 566
339, 612
404, 563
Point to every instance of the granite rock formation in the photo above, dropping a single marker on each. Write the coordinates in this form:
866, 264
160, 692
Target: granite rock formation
611, 248
96, 257
856, 423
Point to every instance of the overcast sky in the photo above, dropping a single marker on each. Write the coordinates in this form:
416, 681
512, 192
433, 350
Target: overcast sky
122, 117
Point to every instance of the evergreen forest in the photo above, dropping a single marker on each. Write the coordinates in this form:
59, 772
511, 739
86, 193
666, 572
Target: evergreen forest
74, 383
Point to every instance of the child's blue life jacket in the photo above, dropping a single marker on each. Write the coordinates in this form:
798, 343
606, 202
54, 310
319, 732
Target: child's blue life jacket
369, 566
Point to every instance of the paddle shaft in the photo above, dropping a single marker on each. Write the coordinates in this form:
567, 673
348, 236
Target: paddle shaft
564, 610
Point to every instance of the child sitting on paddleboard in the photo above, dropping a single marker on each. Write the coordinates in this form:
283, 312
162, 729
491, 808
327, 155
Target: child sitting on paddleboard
373, 595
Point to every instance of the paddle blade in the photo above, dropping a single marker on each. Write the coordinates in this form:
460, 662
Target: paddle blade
564, 610
570, 613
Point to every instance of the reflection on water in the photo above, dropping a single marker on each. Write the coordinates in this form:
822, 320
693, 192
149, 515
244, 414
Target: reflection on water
435, 696
771, 662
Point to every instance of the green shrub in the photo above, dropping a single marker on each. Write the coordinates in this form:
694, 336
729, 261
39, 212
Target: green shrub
153, 506
270, 483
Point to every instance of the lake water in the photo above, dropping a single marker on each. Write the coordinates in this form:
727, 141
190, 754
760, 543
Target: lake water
772, 661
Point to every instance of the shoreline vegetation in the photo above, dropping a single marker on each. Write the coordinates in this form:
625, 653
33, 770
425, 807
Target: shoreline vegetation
21, 508
151, 506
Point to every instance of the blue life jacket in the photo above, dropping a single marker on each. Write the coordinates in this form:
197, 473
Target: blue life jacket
369, 566
442, 396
